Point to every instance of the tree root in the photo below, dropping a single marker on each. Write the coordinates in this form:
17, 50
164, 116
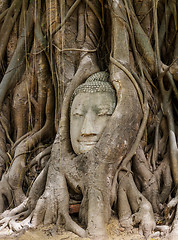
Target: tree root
5, 194
144, 218
20, 217
16, 68
10, 20
4, 133
10, 213
53, 206
170, 210
150, 182
69, 13
170, 231
174, 228
38, 159
134, 202
14, 224
16, 173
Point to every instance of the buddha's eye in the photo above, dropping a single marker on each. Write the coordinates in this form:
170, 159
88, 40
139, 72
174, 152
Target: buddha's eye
104, 113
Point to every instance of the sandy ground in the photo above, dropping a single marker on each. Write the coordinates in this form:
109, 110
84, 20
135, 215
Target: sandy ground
48, 233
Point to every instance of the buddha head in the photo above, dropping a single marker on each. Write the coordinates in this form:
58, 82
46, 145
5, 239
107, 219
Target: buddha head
92, 104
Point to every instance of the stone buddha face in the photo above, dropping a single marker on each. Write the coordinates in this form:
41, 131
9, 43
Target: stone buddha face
91, 109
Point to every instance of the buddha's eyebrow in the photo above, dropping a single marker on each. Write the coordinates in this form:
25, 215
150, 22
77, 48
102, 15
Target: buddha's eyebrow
104, 107
79, 106
78, 109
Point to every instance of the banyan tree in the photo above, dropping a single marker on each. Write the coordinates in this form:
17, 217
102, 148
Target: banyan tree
51, 54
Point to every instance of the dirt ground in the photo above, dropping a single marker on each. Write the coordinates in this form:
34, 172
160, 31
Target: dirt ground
49, 233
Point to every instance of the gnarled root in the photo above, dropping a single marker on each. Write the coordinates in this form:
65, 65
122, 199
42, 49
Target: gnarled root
9, 218
4, 135
12, 219
96, 219
171, 213
150, 181
53, 206
144, 217
130, 200
17, 171
146, 178
174, 228
6, 198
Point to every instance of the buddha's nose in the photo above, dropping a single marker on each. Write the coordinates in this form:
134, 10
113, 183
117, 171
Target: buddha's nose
88, 127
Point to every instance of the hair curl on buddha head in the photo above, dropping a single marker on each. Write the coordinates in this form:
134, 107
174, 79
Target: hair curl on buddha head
97, 82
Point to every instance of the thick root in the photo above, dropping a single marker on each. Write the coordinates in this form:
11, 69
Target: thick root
11, 220
12, 224
172, 212
171, 208
10, 213
174, 229
6, 197
144, 218
134, 202
53, 206
47, 212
